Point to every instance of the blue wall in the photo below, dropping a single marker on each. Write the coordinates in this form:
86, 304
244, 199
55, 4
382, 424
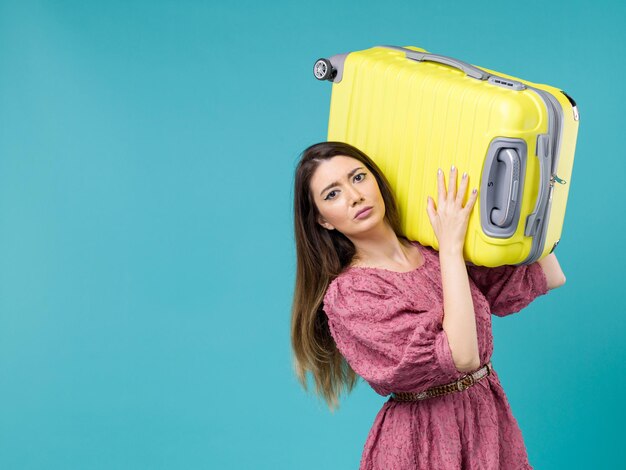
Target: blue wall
147, 151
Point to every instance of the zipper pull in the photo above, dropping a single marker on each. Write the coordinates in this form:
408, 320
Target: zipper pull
554, 178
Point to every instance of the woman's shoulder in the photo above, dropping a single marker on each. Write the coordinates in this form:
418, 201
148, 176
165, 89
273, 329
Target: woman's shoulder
361, 283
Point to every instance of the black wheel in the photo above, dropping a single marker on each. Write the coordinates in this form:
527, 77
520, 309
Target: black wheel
323, 69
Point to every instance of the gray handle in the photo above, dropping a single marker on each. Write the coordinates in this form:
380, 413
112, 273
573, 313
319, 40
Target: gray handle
504, 210
469, 69
544, 154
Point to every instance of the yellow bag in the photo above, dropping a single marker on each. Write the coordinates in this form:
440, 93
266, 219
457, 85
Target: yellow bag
413, 112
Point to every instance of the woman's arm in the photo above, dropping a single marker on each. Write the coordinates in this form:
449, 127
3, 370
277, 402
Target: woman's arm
449, 220
459, 320
552, 270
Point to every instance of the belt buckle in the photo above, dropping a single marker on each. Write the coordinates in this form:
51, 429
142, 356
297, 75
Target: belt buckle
462, 383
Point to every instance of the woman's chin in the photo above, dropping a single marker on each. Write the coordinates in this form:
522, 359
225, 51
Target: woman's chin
368, 225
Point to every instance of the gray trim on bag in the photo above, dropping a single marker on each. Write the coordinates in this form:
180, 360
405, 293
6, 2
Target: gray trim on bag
548, 152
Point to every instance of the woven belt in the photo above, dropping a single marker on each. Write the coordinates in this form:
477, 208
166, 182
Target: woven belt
458, 386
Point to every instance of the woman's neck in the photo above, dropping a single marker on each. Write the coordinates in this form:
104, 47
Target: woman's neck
380, 248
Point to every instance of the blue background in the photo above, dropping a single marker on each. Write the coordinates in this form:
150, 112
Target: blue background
147, 151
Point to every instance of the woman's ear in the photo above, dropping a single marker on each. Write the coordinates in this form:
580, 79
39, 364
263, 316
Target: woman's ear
322, 221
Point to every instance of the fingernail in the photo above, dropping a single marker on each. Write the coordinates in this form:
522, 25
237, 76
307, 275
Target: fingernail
474, 190
439, 171
464, 175
452, 168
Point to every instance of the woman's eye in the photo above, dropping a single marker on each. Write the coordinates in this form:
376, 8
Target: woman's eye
330, 195
356, 176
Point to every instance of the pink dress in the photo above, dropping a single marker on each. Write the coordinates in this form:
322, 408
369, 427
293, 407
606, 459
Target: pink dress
388, 326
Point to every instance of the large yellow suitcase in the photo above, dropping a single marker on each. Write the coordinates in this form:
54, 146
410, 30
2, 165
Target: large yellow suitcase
413, 112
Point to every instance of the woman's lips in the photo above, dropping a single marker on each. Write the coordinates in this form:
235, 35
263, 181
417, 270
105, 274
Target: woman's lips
363, 213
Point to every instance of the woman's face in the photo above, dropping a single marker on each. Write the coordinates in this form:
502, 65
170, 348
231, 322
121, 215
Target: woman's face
342, 188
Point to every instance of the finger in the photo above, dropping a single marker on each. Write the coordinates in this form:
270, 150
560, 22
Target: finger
432, 215
462, 190
472, 199
430, 204
442, 186
452, 184
430, 209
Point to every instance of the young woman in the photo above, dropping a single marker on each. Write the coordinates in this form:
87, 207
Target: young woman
414, 322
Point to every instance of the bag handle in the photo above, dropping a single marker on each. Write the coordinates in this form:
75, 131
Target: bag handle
469, 69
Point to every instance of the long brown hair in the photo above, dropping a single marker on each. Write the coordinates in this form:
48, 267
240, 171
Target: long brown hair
321, 255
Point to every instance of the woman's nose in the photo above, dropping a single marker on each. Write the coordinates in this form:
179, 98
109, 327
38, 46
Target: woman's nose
356, 197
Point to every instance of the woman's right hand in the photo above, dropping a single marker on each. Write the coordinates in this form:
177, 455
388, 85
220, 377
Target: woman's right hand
449, 219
